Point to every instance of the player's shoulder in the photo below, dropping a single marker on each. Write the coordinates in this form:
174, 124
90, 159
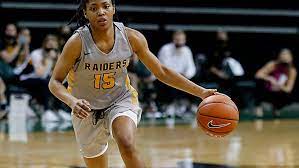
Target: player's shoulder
74, 43
134, 34
75, 39
73, 47
136, 39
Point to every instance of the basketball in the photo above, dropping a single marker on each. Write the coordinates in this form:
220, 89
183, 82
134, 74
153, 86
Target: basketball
217, 115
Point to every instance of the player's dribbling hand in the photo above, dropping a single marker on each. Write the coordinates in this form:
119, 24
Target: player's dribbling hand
208, 92
211, 92
81, 108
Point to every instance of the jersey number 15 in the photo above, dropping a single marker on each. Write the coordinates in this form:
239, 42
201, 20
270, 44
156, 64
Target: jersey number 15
105, 81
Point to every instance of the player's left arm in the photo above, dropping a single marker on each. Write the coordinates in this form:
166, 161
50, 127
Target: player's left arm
164, 74
291, 81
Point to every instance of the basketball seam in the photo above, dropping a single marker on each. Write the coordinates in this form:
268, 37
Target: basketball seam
218, 117
218, 103
214, 131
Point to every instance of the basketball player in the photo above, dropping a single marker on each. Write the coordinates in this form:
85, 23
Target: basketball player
103, 103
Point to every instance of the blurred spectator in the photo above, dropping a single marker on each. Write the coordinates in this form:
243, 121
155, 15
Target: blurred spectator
220, 52
15, 47
177, 56
201, 74
36, 82
277, 80
24, 37
9, 41
13, 52
43, 59
23, 63
224, 69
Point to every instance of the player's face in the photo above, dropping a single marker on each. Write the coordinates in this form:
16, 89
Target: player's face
100, 13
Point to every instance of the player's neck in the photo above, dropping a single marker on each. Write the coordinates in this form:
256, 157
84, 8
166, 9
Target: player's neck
102, 35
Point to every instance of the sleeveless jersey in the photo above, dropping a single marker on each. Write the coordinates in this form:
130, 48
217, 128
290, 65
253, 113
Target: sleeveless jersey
100, 78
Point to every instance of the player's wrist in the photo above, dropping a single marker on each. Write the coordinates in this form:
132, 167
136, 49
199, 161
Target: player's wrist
201, 92
72, 102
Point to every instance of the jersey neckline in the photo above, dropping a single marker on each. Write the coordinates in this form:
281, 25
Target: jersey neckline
95, 45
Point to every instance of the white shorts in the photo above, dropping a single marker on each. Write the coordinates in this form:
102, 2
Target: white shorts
93, 137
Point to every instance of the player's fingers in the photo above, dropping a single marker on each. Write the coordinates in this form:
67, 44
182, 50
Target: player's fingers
79, 111
86, 102
83, 113
85, 105
213, 90
217, 93
85, 108
75, 113
78, 116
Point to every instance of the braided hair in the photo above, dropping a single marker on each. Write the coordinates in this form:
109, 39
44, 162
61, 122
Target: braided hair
79, 16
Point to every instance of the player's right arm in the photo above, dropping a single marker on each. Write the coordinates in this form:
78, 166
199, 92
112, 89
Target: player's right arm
71, 52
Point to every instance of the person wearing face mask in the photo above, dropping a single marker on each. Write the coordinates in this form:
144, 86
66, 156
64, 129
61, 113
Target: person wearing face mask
24, 39
223, 69
16, 47
9, 51
276, 81
36, 82
220, 52
43, 59
178, 57
14, 51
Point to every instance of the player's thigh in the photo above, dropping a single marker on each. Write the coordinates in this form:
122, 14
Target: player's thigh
124, 127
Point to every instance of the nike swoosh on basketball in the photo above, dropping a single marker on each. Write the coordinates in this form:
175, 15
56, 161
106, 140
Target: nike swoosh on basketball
211, 125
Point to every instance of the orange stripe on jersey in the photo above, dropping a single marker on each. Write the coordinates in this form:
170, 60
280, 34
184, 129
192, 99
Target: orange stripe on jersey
70, 80
128, 82
133, 92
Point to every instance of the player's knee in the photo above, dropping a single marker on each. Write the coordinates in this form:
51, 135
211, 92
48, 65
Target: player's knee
125, 142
